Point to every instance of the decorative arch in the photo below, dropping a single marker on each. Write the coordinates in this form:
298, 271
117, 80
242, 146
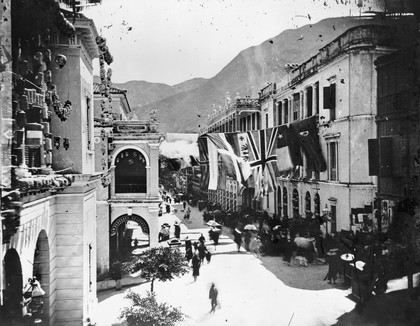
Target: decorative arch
122, 241
125, 218
308, 205
123, 148
130, 171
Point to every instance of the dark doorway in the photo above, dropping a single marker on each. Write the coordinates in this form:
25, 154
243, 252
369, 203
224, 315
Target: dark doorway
12, 310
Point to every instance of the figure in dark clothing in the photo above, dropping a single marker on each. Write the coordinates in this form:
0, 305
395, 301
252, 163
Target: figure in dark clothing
213, 297
208, 256
195, 244
202, 252
247, 238
202, 239
184, 204
168, 209
238, 238
188, 250
177, 230
288, 251
332, 266
196, 266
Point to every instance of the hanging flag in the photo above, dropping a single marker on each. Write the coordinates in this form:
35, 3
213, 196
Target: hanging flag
228, 147
204, 162
213, 165
309, 140
262, 153
288, 148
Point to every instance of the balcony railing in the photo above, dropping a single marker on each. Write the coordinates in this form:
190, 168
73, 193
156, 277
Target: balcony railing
130, 188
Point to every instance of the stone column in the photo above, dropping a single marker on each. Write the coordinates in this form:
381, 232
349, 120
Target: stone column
315, 108
291, 108
305, 104
153, 172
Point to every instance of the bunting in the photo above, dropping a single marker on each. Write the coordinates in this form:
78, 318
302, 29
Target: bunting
204, 162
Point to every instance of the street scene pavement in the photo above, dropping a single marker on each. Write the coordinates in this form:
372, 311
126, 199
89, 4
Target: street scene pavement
251, 290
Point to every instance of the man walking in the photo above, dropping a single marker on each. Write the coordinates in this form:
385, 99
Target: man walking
213, 297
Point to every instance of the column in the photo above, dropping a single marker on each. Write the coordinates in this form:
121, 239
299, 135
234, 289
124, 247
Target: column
305, 104
290, 108
315, 108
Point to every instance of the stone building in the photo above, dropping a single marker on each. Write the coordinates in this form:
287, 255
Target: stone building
127, 157
48, 184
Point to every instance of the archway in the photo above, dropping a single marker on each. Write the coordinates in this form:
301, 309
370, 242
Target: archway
130, 172
128, 233
12, 310
41, 270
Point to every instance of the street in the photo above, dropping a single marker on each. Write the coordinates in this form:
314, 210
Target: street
249, 294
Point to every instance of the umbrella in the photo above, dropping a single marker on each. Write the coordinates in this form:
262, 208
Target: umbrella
250, 227
237, 231
213, 223
277, 227
174, 242
347, 257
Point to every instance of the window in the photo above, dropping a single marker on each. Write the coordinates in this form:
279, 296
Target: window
278, 201
295, 202
332, 161
130, 172
316, 93
88, 124
286, 111
296, 106
279, 113
266, 121
329, 100
285, 208
308, 205
317, 206
309, 97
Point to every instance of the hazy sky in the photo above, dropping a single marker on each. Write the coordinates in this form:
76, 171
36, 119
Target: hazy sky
170, 41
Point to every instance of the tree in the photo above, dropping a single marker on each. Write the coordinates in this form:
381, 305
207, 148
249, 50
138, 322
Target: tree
148, 312
161, 264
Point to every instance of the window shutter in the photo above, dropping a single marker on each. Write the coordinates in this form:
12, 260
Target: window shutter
332, 96
385, 156
373, 152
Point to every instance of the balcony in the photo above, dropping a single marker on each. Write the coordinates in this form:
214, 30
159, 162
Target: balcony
238, 106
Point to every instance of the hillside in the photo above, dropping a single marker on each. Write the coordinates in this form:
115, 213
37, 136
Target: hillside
186, 110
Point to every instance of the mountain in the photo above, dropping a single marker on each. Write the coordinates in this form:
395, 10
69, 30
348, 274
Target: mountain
184, 107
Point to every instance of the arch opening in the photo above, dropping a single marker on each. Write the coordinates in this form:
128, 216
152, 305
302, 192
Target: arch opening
130, 172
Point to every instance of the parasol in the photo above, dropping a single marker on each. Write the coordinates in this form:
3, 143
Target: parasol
347, 257
213, 223
250, 227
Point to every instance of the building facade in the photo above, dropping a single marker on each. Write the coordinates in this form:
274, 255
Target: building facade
47, 156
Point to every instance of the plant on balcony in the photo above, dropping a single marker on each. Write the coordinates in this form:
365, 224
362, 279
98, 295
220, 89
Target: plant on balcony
148, 312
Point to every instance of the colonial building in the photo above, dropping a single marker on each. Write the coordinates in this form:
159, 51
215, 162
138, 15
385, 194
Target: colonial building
127, 157
47, 157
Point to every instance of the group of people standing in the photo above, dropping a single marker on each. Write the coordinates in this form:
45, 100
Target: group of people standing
197, 252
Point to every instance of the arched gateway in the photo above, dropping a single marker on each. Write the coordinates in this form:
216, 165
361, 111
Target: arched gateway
127, 233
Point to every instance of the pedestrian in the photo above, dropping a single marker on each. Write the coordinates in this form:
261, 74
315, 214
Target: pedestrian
196, 266
188, 250
332, 266
168, 208
201, 238
213, 293
255, 246
188, 213
237, 238
208, 256
184, 204
202, 252
177, 230
247, 238
288, 251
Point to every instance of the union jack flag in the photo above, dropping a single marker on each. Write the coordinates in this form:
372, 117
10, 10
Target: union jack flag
262, 146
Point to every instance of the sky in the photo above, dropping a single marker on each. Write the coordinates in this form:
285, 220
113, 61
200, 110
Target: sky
171, 41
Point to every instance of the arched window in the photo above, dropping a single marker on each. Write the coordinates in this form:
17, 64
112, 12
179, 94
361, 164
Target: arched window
295, 202
308, 205
317, 207
285, 209
130, 172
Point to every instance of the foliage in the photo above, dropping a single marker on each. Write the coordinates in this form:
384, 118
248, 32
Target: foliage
161, 264
168, 176
148, 312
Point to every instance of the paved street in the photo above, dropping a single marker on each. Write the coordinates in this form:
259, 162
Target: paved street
249, 293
